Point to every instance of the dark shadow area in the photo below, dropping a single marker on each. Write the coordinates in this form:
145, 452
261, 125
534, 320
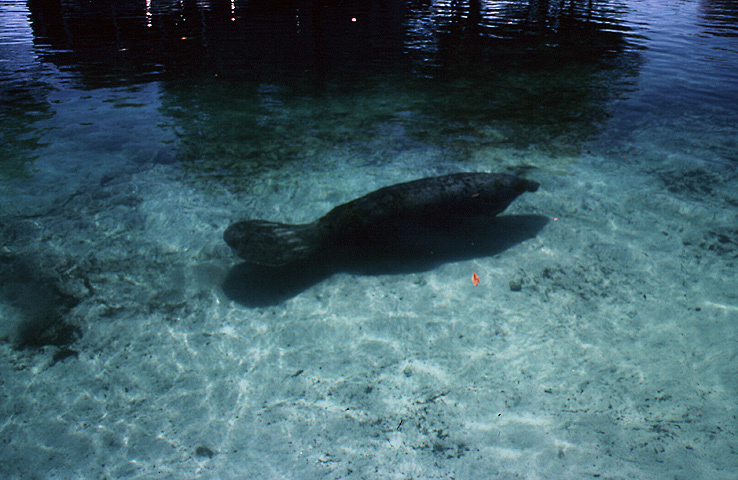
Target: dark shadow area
39, 305
417, 251
23, 103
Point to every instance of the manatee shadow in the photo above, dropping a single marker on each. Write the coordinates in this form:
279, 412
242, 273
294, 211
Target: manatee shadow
412, 250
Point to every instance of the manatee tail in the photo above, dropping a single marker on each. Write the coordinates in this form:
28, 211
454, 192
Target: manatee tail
272, 243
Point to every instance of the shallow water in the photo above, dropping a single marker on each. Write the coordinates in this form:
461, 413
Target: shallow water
600, 341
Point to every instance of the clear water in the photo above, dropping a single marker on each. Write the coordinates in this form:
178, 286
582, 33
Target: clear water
601, 345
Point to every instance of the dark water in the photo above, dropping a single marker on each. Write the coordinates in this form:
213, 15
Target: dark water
235, 79
599, 342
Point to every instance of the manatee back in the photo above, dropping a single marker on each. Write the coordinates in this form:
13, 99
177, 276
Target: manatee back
433, 200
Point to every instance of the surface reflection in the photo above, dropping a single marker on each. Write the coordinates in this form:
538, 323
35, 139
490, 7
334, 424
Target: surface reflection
537, 33
262, 39
253, 39
720, 17
456, 76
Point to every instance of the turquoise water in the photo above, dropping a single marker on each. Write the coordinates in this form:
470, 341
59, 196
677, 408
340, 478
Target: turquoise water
599, 343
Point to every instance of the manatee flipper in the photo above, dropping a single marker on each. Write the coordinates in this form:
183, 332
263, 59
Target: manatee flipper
272, 243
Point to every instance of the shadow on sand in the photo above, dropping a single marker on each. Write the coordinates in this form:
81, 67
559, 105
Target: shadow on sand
417, 251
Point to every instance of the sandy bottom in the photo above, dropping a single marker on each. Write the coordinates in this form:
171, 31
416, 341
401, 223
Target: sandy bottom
601, 346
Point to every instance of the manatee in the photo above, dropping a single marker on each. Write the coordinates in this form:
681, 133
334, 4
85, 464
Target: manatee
379, 219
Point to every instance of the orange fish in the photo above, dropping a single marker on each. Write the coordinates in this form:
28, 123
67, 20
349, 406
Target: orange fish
475, 279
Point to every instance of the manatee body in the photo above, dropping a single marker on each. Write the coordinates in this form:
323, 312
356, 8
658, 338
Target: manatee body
380, 218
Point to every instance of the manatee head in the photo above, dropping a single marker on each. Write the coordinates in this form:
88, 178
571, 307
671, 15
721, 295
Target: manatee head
491, 193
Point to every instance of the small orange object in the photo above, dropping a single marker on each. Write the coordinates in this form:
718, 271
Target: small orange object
475, 279
475, 194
